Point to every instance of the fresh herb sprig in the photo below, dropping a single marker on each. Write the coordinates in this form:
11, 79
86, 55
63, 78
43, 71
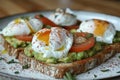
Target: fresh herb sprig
25, 66
69, 76
95, 75
105, 70
119, 56
1, 58
16, 72
12, 61
118, 72
25, 17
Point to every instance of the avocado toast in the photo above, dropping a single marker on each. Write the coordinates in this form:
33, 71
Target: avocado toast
75, 62
80, 61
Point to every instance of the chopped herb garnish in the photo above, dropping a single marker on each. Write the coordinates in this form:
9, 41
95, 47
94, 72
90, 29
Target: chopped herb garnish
89, 36
1, 58
47, 26
56, 16
88, 72
16, 72
25, 66
95, 75
119, 57
25, 17
105, 70
41, 16
118, 72
69, 76
12, 61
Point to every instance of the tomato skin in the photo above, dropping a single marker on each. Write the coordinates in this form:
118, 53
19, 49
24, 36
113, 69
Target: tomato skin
75, 26
24, 37
71, 27
84, 46
46, 21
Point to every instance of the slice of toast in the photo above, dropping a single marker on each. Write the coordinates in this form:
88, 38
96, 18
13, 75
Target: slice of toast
59, 70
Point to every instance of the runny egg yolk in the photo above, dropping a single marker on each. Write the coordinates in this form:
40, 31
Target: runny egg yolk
44, 36
100, 27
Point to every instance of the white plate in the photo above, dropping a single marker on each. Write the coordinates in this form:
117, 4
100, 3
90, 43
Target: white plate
113, 64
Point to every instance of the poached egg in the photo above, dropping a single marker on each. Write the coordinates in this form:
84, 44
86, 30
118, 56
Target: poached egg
54, 42
63, 18
102, 30
21, 26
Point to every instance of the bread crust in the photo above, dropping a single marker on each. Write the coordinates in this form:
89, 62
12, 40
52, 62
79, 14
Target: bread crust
59, 70
13, 51
76, 67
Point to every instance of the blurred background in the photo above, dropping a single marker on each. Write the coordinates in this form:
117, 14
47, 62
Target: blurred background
11, 7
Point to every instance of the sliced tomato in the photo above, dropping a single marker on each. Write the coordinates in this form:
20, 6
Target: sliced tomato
71, 27
24, 37
89, 43
75, 26
46, 21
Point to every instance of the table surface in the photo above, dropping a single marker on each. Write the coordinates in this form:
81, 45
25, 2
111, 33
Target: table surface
12, 7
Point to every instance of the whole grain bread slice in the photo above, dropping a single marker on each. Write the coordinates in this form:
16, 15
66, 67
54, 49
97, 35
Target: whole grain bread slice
77, 67
59, 70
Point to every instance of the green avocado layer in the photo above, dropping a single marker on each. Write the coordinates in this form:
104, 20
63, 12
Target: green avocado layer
117, 37
72, 56
16, 43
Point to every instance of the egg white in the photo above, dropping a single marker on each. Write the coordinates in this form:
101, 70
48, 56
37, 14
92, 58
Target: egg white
14, 28
89, 26
20, 27
36, 24
108, 35
54, 44
62, 18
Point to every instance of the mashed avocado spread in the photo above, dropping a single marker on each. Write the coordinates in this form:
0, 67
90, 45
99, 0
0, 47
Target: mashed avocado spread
16, 43
72, 56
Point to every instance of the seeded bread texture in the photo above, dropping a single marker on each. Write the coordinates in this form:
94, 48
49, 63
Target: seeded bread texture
76, 67
12, 51
59, 70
